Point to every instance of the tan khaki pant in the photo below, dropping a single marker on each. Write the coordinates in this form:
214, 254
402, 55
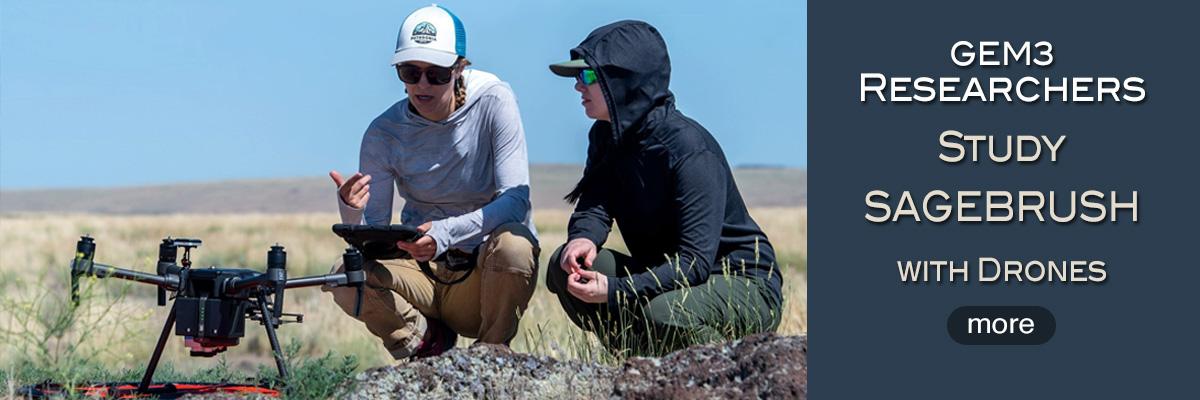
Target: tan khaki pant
487, 305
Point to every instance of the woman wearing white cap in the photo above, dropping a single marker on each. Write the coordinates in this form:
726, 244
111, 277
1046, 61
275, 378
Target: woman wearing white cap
454, 150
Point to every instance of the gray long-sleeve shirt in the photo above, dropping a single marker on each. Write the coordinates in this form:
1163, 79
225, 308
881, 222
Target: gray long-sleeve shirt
468, 174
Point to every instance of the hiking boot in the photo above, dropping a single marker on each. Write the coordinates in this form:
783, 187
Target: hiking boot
439, 338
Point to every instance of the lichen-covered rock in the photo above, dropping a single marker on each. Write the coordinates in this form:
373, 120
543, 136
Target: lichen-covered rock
759, 366
485, 371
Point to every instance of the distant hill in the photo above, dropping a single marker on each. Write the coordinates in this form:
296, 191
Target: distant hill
761, 187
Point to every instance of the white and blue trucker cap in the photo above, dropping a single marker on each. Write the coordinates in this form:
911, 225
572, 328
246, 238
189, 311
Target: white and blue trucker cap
431, 34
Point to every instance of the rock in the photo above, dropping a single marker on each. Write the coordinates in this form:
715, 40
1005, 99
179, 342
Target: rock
485, 371
759, 366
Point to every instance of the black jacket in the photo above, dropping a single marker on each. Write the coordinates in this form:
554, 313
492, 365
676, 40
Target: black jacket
660, 175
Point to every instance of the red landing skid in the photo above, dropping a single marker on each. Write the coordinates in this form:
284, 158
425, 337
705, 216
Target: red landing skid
129, 390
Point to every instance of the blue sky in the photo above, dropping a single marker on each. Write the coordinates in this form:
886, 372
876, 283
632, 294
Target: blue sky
120, 93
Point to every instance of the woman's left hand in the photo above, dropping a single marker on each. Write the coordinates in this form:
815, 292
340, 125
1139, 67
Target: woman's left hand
593, 289
422, 249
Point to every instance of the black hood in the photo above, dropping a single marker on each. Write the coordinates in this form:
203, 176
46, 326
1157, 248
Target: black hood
631, 61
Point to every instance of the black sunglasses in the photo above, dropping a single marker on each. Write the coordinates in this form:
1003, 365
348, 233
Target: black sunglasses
411, 74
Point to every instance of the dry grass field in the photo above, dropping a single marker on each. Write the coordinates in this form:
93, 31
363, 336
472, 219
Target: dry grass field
119, 322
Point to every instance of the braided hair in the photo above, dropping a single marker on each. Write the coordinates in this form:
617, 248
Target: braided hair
460, 84
460, 93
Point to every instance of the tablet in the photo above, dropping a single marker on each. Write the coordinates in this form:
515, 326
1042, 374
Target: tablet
378, 242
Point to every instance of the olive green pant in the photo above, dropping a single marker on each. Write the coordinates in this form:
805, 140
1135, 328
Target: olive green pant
487, 305
727, 306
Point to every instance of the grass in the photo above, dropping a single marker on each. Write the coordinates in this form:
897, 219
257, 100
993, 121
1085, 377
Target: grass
311, 377
113, 331
45, 331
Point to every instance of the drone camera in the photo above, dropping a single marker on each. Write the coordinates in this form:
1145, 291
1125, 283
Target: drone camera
208, 346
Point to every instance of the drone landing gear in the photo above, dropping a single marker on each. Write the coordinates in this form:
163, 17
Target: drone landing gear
267, 321
158, 349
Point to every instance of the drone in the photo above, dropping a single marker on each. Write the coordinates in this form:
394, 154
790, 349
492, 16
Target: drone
211, 304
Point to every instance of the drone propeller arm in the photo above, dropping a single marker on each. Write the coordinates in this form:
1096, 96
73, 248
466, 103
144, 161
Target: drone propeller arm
83, 264
236, 285
90, 268
351, 277
352, 274
335, 280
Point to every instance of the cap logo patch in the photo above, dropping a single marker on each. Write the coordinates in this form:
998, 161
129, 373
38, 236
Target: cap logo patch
424, 33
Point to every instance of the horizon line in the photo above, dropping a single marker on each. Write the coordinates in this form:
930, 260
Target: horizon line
7, 189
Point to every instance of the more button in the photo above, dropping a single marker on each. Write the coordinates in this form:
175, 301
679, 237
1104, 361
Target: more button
1001, 325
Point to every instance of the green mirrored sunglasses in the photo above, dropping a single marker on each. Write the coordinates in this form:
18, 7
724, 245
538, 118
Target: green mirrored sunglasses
587, 76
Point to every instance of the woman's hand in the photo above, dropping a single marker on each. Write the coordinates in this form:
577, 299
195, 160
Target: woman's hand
589, 286
577, 253
422, 249
354, 192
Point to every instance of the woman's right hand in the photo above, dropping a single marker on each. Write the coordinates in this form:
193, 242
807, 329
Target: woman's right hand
354, 191
580, 249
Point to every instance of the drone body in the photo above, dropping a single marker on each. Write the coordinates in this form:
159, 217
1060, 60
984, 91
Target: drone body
209, 321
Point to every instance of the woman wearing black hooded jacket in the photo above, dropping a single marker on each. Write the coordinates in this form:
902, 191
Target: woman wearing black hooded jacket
699, 268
